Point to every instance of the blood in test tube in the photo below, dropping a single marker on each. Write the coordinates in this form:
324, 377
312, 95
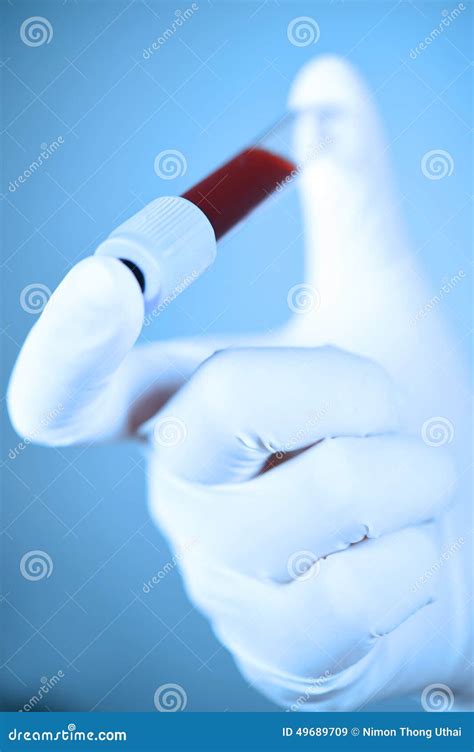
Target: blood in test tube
229, 193
150, 241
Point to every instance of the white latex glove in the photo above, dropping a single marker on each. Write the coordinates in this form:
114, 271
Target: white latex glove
386, 617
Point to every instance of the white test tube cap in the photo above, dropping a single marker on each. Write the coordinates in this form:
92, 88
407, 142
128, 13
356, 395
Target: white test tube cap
170, 240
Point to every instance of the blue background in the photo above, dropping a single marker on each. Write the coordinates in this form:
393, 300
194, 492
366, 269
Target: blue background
218, 81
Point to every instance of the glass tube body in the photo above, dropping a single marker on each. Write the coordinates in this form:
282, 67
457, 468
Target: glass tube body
233, 190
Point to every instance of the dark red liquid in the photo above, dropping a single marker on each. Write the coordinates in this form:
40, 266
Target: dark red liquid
227, 195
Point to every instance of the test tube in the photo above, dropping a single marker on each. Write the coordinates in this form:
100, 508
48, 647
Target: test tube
235, 189
174, 238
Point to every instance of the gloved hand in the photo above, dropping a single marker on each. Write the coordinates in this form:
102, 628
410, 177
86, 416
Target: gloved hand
339, 576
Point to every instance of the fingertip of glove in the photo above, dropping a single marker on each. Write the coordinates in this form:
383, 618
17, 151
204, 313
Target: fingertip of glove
326, 80
101, 281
